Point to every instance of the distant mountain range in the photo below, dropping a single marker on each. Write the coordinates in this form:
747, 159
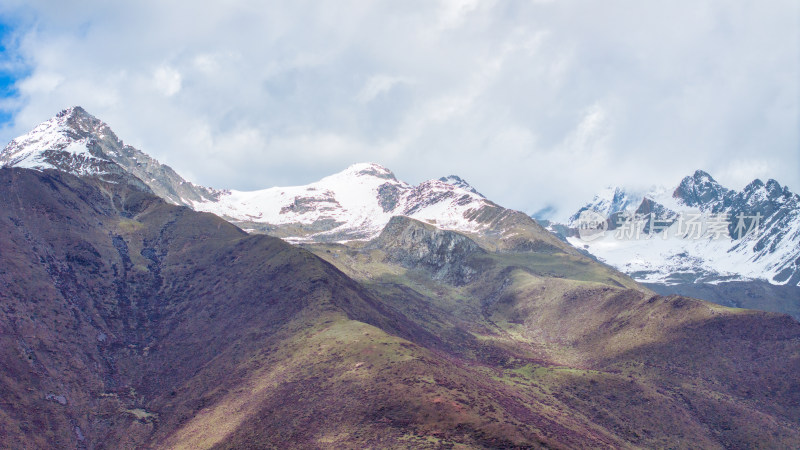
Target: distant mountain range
130, 320
359, 201
759, 239
744, 249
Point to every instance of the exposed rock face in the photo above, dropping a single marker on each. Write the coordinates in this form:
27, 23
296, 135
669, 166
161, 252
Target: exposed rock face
389, 196
445, 254
305, 204
700, 190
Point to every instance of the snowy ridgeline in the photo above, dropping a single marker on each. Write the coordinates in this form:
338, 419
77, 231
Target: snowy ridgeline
361, 199
699, 231
353, 204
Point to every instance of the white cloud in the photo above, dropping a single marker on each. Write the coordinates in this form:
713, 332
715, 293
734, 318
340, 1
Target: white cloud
40, 83
591, 134
536, 103
738, 173
377, 85
454, 11
167, 81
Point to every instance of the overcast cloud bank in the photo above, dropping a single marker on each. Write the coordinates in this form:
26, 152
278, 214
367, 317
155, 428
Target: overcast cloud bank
536, 103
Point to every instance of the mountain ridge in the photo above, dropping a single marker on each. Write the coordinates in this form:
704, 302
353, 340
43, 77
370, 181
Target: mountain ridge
354, 204
769, 251
751, 260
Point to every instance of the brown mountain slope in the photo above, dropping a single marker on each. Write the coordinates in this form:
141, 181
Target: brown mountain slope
126, 317
653, 371
127, 323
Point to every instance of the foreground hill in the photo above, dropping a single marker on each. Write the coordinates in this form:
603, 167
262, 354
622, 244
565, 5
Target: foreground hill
125, 321
415, 316
585, 341
128, 322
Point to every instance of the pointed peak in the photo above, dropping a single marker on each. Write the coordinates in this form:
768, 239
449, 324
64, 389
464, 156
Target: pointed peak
65, 142
73, 111
700, 178
368, 169
703, 175
452, 179
71, 124
74, 116
773, 185
755, 184
79, 120
610, 192
700, 190
455, 180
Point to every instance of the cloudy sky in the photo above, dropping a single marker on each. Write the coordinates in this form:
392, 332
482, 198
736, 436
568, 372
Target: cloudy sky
536, 103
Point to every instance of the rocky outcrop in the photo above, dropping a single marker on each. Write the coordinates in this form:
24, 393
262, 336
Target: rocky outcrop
447, 255
699, 190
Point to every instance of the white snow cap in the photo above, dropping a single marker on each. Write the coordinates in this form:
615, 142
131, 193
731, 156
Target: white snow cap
360, 199
59, 134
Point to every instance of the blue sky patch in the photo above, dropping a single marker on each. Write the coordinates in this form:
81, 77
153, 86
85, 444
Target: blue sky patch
9, 72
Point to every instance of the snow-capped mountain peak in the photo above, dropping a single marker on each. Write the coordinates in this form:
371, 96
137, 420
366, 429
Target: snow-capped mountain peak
369, 169
614, 199
459, 182
770, 252
355, 203
700, 190
64, 142
74, 141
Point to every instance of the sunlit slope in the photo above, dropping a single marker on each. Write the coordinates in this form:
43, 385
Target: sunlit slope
588, 336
